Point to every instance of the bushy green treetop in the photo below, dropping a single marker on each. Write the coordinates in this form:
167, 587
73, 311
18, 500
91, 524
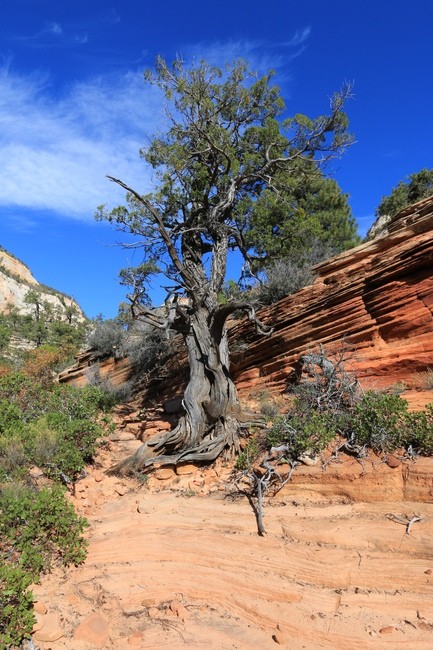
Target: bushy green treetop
417, 186
309, 212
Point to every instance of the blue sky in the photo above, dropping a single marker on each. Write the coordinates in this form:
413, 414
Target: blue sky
74, 107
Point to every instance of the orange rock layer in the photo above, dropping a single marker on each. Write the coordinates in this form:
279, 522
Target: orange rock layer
378, 298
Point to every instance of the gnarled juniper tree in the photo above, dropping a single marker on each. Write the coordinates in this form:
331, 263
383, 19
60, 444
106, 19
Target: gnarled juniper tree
226, 143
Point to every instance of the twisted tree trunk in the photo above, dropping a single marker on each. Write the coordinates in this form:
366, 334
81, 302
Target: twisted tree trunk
212, 414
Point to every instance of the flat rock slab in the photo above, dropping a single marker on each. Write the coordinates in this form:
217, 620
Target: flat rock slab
93, 630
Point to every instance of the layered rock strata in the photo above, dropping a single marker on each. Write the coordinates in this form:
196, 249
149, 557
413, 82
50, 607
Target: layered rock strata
377, 298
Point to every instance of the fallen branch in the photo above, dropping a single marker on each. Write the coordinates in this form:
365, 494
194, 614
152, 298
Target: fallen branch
406, 521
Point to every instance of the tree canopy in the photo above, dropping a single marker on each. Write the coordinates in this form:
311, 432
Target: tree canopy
309, 211
416, 187
227, 142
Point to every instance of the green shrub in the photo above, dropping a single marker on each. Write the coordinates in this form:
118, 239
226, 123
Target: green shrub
40, 527
16, 605
112, 394
247, 456
383, 423
379, 421
419, 431
13, 458
57, 428
11, 418
37, 529
307, 432
61, 446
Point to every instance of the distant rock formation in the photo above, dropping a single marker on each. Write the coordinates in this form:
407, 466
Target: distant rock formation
16, 280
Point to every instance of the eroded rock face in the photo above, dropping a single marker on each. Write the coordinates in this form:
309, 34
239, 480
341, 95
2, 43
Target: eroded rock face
16, 280
377, 297
178, 565
88, 365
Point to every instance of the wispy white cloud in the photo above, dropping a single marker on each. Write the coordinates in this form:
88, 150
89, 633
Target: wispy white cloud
53, 35
81, 39
220, 53
56, 147
364, 223
20, 223
261, 55
299, 37
55, 152
54, 28
298, 43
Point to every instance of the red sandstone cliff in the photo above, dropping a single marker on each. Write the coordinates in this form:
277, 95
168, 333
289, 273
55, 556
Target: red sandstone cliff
378, 297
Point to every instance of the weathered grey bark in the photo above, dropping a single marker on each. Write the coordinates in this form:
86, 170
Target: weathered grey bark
212, 419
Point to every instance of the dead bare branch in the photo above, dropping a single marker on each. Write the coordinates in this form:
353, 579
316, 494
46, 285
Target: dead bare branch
405, 520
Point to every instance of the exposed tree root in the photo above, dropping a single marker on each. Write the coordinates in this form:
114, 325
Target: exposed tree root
173, 447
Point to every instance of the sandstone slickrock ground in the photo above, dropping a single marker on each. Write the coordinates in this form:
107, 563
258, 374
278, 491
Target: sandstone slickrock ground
177, 564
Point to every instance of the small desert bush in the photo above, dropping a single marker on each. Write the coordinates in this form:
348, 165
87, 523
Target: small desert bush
379, 421
300, 433
328, 401
419, 431
147, 348
248, 455
425, 379
112, 394
283, 278
107, 338
267, 403
382, 422
398, 388
58, 429
37, 529
41, 364
321, 382
16, 604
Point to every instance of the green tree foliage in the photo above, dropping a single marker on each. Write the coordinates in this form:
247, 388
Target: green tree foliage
227, 141
228, 147
307, 215
416, 187
5, 334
